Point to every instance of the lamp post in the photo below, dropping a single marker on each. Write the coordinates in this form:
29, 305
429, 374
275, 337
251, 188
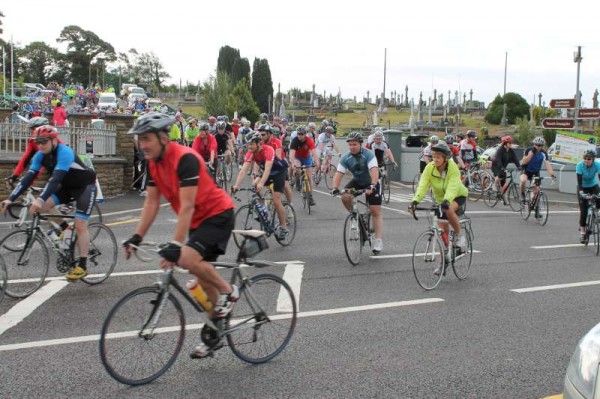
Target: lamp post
577, 59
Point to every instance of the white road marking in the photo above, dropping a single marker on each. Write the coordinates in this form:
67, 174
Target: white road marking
324, 312
24, 308
293, 276
557, 286
557, 246
406, 255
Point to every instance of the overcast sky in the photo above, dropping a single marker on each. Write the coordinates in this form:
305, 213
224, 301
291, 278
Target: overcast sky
449, 45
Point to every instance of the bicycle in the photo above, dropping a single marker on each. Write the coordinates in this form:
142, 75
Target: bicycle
384, 181
510, 196
477, 178
224, 170
249, 217
326, 171
357, 228
305, 189
136, 341
26, 255
535, 200
431, 257
592, 220
415, 182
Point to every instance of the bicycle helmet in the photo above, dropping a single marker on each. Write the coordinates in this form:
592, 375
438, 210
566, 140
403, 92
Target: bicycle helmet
212, 119
221, 125
38, 121
154, 122
325, 122
442, 147
193, 120
220, 118
284, 120
312, 125
264, 128
434, 139
472, 133
449, 139
264, 116
225, 118
460, 135
506, 139
253, 138
203, 126
329, 129
378, 134
589, 154
46, 131
539, 140
301, 129
354, 136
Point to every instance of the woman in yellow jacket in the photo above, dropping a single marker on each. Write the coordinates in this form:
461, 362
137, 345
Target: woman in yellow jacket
443, 176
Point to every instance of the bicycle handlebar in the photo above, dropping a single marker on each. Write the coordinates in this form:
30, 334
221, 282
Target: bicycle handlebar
352, 191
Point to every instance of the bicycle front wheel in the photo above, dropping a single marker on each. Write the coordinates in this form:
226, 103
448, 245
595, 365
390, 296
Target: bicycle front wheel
139, 341
541, 209
317, 176
329, 177
290, 218
461, 264
386, 189
514, 199
428, 260
526, 207
352, 240
245, 220
491, 196
102, 254
27, 260
596, 232
263, 320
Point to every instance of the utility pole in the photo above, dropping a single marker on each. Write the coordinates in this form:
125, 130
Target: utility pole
504, 120
577, 59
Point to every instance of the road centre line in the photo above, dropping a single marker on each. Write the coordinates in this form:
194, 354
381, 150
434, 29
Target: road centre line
556, 286
127, 221
404, 255
324, 312
557, 246
24, 308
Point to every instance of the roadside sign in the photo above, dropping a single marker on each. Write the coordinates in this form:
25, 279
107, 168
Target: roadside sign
563, 103
589, 113
554, 123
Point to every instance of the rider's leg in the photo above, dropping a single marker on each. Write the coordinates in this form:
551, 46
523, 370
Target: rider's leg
377, 218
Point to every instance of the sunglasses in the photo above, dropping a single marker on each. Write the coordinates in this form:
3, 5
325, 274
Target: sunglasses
589, 159
42, 141
263, 134
538, 145
301, 134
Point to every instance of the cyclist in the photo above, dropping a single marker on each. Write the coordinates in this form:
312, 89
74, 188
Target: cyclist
191, 131
504, 155
274, 170
204, 212
587, 183
532, 161
425, 157
205, 144
212, 125
224, 142
362, 163
468, 148
70, 180
301, 149
381, 149
449, 139
443, 176
264, 120
266, 133
312, 131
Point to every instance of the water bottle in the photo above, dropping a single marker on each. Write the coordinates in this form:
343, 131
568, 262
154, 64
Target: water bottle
198, 293
52, 233
264, 212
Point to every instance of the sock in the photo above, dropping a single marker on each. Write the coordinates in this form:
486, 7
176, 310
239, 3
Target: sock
83, 263
64, 225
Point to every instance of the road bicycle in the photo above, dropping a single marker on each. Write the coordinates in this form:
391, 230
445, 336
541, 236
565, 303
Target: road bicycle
26, 254
415, 182
357, 227
510, 196
384, 181
144, 331
431, 255
477, 179
592, 220
224, 170
326, 172
535, 201
249, 217
305, 189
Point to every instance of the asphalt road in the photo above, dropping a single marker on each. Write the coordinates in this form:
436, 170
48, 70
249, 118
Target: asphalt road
378, 334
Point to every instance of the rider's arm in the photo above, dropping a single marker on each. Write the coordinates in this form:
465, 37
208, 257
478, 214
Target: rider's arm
293, 157
527, 157
549, 166
388, 153
341, 170
30, 151
188, 172
579, 181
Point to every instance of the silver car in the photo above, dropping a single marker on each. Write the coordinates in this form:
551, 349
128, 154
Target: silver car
581, 381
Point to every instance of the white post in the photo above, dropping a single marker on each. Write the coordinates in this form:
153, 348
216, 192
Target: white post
12, 75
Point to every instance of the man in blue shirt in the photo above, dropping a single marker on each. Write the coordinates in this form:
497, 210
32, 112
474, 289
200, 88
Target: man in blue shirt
587, 172
532, 162
362, 163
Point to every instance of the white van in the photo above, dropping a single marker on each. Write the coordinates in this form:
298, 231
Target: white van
138, 90
125, 88
107, 101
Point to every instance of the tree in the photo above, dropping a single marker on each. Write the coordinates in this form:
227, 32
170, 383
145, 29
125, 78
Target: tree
262, 84
241, 100
523, 131
240, 70
1, 16
39, 62
517, 107
82, 48
215, 93
227, 57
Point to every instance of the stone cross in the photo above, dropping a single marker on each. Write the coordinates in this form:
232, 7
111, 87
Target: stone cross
471, 96
406, 96
435, 97
595, 99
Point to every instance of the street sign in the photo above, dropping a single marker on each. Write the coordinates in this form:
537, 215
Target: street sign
554, 123
563, 103
589, 113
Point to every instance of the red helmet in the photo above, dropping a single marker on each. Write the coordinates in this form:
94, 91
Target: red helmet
506, 139
47, 131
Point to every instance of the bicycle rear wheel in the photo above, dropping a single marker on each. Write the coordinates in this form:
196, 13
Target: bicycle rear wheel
263, 320
245, 220
386, 189
428, 260
27, 260
490, 197
352, 239
290, 217
513, 197
102, 254
135, 348
329, 177
415, 182
541, 209
525, 207
461, 263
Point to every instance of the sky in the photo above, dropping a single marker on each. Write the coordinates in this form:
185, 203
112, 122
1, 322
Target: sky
339, 46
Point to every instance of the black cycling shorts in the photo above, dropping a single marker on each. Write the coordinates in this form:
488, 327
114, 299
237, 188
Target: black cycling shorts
462, 205
374, 198
278, 180
84, 198
530, 175
211, 237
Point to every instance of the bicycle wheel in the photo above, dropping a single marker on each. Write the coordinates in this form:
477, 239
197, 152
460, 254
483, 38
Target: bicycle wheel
490, 197
525, 208
352, 239
102, 254
428, 260
3, 278
135, 347
245, 220
290, 217
303, 194
329, 177
541, 209
596, 232
263, 320
386, 189
415, 182
514, 199
27, 260
317, 176
461, 264
229, 170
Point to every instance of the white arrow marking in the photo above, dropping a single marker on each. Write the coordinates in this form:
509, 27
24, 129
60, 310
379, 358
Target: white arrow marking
293, 276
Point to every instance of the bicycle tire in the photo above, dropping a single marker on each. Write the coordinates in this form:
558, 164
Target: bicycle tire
304, 194
3, 278
122, 329
266, 309
415, 182
329, 177
525, 208
317, 176
14, 209
596, 232
290, 216
427, 258
541, 209
229, 170
353, 242
461, 264
490, 198
244, 220
24, 280
514, 200
386, 189
103, 253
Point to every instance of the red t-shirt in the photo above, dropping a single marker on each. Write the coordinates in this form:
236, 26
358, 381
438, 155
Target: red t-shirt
302, 148
204, 149
266, 153
274, 143
236, 129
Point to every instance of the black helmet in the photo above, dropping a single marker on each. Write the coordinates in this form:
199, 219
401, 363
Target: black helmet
154, 122
471, 133
253, 138
38, 121
264, 128
355, 136
203, 126
442, 147
449, 139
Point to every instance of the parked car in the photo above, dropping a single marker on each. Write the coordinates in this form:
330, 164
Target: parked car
581, 380
151, 102
107, 101
135, 96
125, 88
138, 90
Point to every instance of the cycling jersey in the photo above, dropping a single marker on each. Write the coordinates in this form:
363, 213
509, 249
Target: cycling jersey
31, 149
502, 158
204, 147
182, 167
535, 163
588, 174
445, 185
303, 148
379, 151
359, 165
425, 152
325, 140
191, 133
222, 139
468, 150
273, 143
263, 155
